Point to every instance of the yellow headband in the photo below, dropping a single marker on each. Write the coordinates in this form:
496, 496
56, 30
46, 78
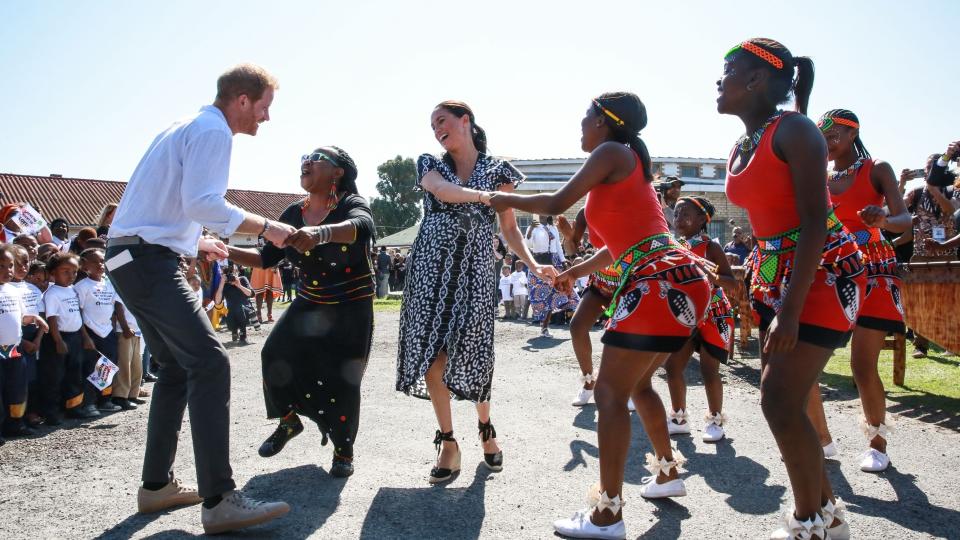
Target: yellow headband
607, 112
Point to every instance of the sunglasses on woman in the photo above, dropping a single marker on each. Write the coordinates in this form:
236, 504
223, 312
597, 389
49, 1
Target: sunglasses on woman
318, 156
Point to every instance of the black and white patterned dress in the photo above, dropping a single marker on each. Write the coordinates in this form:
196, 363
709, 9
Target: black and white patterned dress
447, 304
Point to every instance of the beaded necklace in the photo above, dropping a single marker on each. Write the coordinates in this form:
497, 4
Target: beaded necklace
836, 176
747, 142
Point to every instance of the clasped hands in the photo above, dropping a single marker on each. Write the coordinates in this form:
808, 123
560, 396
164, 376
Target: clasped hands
278, 233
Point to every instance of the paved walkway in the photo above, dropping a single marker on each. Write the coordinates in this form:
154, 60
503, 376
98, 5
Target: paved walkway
80, 481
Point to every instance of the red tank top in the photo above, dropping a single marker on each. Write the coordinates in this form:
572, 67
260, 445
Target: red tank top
764, 188
861, 193
622, 214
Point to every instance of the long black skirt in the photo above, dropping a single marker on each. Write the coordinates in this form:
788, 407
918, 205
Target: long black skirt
313, 363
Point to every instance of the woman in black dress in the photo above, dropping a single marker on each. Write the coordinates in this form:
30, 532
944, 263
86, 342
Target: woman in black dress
316, 354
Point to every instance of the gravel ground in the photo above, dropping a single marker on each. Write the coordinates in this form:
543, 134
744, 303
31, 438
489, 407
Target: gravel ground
80, 481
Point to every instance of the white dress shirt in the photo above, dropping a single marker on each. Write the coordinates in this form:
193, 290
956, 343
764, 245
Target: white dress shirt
540, 239
179, 186
555, 245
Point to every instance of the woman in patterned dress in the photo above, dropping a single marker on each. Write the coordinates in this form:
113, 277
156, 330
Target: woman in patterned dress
446, 321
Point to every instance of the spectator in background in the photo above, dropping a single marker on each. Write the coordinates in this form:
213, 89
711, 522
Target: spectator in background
79, 242
738, 246
236, 291
105, 219
506, 294
383, 272
669, 188
60, 231
287, 277
518, 283
29, 243
932, 206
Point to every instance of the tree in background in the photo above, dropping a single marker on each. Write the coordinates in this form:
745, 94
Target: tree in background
398, 205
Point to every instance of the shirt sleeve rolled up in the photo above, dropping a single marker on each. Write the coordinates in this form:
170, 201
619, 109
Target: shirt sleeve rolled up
206, 169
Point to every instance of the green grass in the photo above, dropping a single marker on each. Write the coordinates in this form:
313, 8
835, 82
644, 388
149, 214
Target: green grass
931, 389
386, 304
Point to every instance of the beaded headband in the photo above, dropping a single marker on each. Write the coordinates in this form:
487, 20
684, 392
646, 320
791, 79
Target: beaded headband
607, 112
764, 54
699, 205
827, 122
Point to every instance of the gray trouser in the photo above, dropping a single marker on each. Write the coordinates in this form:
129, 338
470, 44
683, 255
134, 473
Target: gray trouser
194, 367
383, 285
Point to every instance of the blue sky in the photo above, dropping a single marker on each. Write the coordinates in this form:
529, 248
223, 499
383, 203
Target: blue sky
89, 84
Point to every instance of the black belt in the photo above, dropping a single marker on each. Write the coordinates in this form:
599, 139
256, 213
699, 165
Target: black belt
120, 242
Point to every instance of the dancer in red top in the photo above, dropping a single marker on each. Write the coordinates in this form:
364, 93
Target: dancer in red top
808, 278
661, 298
712, 338
860, 187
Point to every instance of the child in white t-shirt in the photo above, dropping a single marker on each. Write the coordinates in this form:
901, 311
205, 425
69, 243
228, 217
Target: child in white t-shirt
99, 306
61, 352
14, 315
32, 335
519, 281
506, 297
126, 383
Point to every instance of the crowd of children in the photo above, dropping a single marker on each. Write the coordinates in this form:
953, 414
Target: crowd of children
60, 322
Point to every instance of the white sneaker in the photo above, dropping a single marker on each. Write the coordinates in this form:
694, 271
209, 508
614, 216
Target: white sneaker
237, 511
583, 397
546, 333
650, 489
791, 529
874, 460
835, 512
630, 406
580, 526
677, 422
830, 450
713, 433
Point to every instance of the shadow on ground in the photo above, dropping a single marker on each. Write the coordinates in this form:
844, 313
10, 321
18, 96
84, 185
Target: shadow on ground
428, 512
311, 493
910, 509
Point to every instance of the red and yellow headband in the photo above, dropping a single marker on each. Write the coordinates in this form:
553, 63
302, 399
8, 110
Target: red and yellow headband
699, 205
827, 122
757, 50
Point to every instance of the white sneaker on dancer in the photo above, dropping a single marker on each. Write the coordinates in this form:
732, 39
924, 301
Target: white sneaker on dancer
830, 450
580, 526
650, 489
834, 511
585, 394
677, 422
791, 529
874, 460
545, 332
713, 431
237, 511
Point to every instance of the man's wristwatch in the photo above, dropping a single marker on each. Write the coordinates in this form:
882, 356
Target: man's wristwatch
266, 225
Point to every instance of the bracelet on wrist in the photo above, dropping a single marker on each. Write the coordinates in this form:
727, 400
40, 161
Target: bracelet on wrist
322, 234
266, 225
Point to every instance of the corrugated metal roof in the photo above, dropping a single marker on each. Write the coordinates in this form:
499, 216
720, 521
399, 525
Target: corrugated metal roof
80, 200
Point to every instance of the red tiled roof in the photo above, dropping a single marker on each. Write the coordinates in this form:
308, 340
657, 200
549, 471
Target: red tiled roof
80, 200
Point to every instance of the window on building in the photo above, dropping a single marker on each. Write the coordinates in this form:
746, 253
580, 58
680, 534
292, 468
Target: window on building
689, 171
722, 173
524, 221
656, 168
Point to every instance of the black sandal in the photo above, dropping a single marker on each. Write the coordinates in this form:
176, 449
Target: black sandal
342, 467
442, 474
494, 462
287, 430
